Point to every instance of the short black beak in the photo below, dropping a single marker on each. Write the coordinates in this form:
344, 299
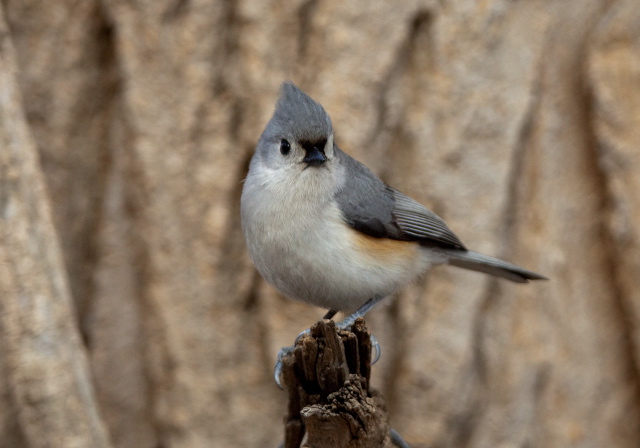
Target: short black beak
314, 157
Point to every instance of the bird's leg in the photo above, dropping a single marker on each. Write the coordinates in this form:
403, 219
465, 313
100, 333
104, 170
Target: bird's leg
330, 314
360, 312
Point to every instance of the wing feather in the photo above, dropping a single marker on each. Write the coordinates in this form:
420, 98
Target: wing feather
373, 208
415, 220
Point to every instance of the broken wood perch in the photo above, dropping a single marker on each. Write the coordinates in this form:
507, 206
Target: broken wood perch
327, 380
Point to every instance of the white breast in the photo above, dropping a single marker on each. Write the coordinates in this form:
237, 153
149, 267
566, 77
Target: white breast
301, 245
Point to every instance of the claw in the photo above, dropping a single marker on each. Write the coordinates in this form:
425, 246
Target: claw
375, 346
284, 351
277, 370
277, 373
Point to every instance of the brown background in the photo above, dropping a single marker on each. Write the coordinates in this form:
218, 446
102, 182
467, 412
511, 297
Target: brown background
131, 315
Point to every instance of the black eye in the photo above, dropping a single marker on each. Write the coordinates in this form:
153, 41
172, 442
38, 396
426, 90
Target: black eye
285, 147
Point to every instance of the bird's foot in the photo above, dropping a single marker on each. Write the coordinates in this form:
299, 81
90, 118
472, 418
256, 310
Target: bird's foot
346, 324
277, 370
284, 351
375, 345
342, 325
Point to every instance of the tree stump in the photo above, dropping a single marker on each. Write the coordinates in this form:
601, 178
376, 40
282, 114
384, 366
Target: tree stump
327, 380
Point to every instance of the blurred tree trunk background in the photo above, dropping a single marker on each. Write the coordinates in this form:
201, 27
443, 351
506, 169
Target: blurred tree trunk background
131, 315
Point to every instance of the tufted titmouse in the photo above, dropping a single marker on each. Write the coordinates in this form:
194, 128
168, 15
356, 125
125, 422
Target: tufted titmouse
322, 228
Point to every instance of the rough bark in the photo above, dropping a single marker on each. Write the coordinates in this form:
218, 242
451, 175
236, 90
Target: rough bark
515, 121
327, 377
46, 378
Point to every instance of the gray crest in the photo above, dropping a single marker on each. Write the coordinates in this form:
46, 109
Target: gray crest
302, 117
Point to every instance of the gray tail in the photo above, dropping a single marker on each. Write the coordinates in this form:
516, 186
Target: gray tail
489, 265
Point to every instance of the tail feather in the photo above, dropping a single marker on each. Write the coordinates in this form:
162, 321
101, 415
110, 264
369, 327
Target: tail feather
489, 265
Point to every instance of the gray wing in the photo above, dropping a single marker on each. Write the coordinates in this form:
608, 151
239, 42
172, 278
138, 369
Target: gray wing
421, 224
373, 208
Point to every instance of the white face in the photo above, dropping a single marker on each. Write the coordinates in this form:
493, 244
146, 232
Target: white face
288, 153
280, 175
299, 152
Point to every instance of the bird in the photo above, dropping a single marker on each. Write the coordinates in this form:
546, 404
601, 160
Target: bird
323, 229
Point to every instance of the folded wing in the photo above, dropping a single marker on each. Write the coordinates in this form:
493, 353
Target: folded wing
372, 207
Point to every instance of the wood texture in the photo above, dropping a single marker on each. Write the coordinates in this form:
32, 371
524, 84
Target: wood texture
49, 398
330, 404
127, 127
